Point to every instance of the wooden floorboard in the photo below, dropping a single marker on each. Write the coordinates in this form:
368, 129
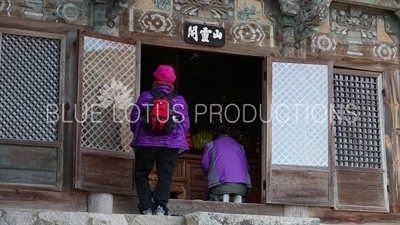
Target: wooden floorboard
329, 216
75, 201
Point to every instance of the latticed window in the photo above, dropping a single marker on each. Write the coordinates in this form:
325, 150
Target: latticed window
360, 160
358, 140
108, 93
29, 87
302, 105
326, 160
32, 79
299, 148
108, 85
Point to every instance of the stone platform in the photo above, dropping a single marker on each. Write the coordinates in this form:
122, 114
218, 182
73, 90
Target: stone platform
13, 217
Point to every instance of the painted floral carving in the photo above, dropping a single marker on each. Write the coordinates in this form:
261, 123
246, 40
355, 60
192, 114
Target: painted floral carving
247, 33
323, 42
219, 9
156, 22
385, 52
246, 13
70, 12
252, 10
164, 5
344, 21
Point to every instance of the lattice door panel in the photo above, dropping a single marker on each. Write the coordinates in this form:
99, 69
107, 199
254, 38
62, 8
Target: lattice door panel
300, 111
357, 124
108, 93
29, 87
298, 127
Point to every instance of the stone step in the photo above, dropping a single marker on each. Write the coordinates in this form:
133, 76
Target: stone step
14, 217
209, 218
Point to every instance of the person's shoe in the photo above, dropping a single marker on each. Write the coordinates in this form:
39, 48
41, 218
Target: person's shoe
147, 212
159, 211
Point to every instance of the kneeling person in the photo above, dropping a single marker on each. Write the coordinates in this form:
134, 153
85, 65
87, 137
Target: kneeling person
226, 168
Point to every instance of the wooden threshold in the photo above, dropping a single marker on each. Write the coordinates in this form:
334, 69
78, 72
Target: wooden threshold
329, 216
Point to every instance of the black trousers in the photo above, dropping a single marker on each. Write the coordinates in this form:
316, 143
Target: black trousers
165, 159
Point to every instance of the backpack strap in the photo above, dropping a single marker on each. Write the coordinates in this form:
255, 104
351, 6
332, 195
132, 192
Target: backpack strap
153, 92
171, 95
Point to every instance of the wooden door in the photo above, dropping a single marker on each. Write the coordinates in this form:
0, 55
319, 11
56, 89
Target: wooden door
32, 100
255, 195
298, 149
361, 164
196, 184
108, 86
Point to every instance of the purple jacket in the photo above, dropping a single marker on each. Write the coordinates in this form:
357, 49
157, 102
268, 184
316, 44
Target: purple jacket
176, 138
224, 161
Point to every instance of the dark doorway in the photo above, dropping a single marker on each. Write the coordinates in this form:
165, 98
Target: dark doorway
206, 78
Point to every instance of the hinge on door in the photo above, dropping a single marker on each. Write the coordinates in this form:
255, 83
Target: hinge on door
388, 188
265, 75
264, 184
384, 92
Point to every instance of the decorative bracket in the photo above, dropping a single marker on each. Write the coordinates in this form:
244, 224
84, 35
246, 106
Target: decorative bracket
114, 8
392, 28
304, 15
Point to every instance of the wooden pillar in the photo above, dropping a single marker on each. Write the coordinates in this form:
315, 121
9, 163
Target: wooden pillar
391, 84
102, 202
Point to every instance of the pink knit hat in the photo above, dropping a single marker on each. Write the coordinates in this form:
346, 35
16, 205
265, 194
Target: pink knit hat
165, 73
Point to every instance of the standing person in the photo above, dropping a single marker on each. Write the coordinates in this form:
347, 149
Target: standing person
226, 169
158, 138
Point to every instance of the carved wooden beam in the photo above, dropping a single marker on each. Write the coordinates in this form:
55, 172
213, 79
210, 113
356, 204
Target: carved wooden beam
304, 15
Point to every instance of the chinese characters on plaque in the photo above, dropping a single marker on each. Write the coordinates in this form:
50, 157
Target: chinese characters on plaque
204, 34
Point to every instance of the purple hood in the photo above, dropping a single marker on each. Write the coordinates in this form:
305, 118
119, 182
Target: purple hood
176, 138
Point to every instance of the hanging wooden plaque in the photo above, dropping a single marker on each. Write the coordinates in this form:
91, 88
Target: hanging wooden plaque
204, 34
